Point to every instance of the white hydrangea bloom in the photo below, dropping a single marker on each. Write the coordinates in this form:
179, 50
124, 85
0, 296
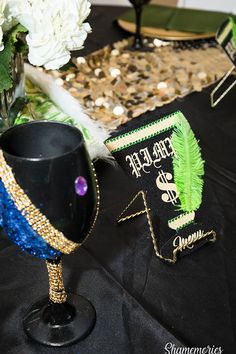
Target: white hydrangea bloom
55, 27
2, 20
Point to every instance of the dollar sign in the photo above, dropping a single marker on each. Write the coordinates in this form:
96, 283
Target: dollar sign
163, 184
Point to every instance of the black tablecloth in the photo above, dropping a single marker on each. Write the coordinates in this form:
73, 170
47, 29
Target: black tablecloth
141, 302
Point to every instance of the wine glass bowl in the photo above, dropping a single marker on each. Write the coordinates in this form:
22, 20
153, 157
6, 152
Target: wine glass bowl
49, 186
46, 159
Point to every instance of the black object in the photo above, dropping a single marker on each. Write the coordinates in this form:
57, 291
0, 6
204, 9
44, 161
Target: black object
148, 162
38, 153
60, 325
145, 302
138, 40
225, 37
46, 158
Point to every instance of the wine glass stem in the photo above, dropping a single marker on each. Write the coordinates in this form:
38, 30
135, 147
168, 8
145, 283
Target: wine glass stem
57, 293
138, 38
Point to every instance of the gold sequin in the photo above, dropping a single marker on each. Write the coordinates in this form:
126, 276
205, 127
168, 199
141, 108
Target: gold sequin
131, 80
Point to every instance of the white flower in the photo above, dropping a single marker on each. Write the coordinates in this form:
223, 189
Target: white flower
2, 20
55, 27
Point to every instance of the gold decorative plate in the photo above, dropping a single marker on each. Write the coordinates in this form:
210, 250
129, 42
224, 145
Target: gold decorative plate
164, 34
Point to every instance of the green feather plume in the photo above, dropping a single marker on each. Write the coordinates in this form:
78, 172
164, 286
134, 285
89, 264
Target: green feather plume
188, 166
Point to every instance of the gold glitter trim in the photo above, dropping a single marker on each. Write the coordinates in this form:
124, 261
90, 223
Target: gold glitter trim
35, 218
98, 203
57, 293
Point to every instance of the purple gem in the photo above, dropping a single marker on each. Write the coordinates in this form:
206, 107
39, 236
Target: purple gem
81, 186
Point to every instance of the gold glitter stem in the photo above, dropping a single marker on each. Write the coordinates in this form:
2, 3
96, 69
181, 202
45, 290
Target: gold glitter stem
57, 293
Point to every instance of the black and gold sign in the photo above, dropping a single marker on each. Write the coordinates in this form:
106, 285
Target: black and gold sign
164, 160
226, 37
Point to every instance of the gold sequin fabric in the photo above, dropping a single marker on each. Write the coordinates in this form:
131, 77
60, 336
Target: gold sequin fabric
115, 85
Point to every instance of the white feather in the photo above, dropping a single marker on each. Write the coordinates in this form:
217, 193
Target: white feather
72, 107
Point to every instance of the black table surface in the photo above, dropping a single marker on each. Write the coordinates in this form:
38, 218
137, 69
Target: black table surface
142, 303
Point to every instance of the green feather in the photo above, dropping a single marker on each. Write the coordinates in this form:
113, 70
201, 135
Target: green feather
188, 166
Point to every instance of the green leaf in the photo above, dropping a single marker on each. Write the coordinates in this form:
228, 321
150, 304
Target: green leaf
17, 107
188, 166
5, 64
21, 120
6, 55
15, 31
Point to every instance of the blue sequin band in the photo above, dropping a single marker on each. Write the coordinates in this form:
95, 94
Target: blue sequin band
25, 224
19, 230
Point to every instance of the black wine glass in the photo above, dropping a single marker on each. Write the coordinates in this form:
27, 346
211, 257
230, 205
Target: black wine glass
138, 44
50, 202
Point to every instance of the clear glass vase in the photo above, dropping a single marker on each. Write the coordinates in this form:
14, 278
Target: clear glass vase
11, 101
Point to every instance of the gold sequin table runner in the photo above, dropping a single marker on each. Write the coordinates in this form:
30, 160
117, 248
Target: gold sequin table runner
115, 85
